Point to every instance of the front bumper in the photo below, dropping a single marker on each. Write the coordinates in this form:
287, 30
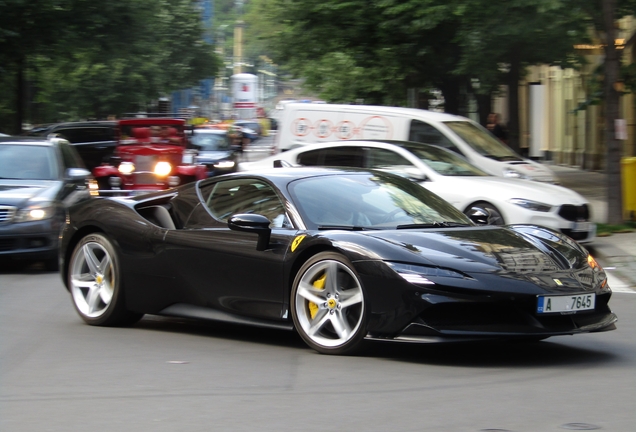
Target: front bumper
30, 240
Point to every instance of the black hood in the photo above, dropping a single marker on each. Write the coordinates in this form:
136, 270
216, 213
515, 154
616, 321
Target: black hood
477, 250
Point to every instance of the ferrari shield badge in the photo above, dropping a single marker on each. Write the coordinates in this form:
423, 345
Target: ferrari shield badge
296, 242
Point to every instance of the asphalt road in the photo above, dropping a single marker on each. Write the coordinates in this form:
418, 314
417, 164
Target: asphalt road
58, 374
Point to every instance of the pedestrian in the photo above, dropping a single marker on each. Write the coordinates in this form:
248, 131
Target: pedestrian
496, 128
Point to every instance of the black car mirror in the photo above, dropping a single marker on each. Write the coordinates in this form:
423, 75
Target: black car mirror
254, 223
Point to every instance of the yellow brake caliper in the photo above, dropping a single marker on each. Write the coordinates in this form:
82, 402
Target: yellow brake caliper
320, 284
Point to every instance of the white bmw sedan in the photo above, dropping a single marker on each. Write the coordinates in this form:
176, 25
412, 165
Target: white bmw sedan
503, 200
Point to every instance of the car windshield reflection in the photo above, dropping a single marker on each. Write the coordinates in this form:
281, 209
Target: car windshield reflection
483, 141
27, 162
210, 141
445, 162
378, 201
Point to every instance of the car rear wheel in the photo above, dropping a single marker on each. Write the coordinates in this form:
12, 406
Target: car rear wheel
328, 304
94, 280
494, 215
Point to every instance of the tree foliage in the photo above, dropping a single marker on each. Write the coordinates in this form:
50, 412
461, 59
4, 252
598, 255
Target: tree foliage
73, 59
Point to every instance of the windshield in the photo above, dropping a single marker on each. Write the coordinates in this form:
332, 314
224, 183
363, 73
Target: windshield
27, 162
207, 141
482, 141
444, 162
370, 200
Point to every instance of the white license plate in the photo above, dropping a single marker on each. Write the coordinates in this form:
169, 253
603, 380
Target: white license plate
581, 226
571, 303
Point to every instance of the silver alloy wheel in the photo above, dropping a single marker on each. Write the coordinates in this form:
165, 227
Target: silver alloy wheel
494, 216
331, 315
92, 279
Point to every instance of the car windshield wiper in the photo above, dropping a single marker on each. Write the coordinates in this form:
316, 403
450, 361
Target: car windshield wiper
344, 227
433, 225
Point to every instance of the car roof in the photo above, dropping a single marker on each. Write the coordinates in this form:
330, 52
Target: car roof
386, 110
282, 176
27, 140
211, 131
152, 121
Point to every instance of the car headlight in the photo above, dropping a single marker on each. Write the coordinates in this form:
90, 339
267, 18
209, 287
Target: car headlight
35, 212
224, 164
511, 173
531, 205
420, 275
163, 168
126, 167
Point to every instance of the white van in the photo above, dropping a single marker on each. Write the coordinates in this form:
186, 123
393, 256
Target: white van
302, 124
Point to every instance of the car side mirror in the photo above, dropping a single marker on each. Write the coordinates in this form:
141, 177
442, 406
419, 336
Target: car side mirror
254, 223
77, 173
414, 174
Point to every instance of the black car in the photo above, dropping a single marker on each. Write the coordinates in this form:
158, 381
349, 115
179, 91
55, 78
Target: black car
339, 255
95, 141
214, 150
39, 180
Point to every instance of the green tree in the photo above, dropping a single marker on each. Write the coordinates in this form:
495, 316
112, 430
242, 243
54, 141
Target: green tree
500, 39
79, 58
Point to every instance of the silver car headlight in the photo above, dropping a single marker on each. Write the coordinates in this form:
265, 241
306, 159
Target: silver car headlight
35, 212
512, 173
531, 205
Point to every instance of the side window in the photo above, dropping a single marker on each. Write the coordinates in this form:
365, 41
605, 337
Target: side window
425, 133
309, 158
230, 197
382, 158
87, 134
70, 158
344, 157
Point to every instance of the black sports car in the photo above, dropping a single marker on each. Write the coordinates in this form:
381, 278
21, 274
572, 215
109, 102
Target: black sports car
339, 255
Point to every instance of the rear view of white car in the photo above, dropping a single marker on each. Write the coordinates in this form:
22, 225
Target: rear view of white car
504, 200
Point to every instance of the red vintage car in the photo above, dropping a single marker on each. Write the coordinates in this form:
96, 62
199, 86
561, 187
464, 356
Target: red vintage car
151, 155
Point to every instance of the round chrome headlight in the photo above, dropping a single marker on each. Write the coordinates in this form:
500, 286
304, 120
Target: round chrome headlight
126, 167
163, 168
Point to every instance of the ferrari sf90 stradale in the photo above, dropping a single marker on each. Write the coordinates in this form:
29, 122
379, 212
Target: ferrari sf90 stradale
339, 255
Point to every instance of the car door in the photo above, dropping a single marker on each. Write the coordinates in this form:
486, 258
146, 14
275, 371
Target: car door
221, 268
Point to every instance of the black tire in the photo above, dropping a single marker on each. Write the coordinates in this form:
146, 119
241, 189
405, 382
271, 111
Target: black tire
94, 280
336, 323
494, 215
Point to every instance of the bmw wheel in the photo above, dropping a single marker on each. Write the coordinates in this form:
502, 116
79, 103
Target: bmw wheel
328, 304
94, 280
494, 215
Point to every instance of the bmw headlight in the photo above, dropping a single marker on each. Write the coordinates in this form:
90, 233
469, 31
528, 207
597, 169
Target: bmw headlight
35, 212
126, 167
531, 205
420, 275
512, 173
163, 168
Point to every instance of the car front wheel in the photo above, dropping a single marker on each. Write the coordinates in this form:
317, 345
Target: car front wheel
494, 216
94, 280
328, 304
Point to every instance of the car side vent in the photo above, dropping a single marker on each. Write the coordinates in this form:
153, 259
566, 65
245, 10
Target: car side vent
157, 215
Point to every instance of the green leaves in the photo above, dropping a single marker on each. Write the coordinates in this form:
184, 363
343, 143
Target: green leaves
85, 59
